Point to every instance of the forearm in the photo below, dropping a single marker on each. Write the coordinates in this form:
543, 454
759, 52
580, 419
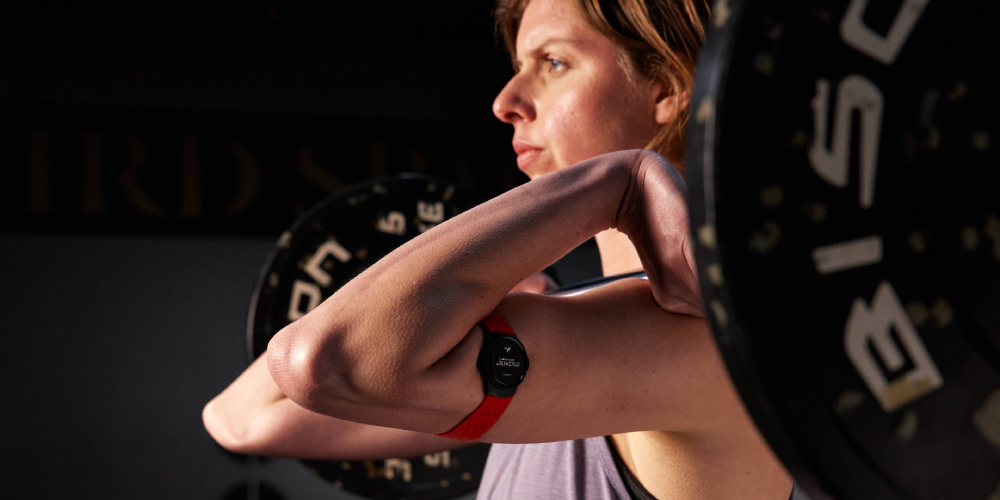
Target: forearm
253, 417
232, 418
414, 308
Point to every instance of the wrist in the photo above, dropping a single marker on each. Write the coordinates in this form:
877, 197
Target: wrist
630, 201
618, 253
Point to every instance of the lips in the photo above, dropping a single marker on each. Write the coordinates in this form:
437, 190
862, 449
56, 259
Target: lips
526, 153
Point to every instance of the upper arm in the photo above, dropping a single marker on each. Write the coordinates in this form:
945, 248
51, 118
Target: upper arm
607, 361
610, 361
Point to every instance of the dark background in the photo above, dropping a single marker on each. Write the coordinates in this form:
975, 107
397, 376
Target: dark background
150, 154
221, 118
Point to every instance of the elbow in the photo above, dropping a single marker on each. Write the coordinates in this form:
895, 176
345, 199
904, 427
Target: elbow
309, 369
294, 367
336, 372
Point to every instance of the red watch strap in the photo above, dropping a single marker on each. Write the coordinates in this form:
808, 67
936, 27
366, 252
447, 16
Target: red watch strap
489, 411
480, 421
495, 324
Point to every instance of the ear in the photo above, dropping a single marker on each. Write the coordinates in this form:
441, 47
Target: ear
668, 102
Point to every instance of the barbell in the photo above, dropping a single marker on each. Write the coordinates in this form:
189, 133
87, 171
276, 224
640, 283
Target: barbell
843, 195
842, 199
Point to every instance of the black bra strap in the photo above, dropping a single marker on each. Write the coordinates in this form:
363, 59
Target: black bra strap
639, 492
635, 489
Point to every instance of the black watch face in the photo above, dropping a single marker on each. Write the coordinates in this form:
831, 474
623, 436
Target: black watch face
507, 362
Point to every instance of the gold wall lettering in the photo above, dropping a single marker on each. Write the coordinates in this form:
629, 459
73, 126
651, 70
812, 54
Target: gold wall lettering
39, 187
93, 174
316, 174
190, 178
129, 180
418, 163
249, 180
379, 158
252, 178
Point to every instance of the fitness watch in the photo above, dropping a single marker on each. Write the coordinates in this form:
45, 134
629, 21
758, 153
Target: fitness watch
502, 363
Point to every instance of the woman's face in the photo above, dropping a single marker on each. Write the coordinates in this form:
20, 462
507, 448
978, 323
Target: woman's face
572, 98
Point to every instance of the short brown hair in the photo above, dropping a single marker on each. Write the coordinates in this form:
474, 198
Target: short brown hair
661, 38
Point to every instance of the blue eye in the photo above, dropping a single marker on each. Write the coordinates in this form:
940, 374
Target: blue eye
555, 64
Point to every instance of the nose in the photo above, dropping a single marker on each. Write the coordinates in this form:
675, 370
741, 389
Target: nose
513, 104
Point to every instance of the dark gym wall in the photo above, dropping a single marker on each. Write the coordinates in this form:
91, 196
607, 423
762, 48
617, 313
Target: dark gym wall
151, 154
210, 119
112, 345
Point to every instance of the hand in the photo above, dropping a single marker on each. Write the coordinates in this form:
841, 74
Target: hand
653, 213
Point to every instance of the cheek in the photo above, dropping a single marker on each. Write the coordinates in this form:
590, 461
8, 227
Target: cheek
577, 128
585, 124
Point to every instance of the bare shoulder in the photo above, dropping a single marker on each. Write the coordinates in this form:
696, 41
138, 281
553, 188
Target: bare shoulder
609, 361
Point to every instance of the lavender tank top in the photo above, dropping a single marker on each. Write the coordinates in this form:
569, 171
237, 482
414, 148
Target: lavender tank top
580, 469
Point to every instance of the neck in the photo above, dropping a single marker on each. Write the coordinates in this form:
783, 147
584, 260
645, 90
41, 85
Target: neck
618, 256
682, 466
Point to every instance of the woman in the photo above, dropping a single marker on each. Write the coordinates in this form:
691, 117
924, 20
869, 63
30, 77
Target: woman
396, 347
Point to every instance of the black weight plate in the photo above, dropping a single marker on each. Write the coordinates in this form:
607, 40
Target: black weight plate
843, 172
326, 248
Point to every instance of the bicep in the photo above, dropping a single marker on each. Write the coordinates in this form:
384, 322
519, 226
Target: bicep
608, 361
